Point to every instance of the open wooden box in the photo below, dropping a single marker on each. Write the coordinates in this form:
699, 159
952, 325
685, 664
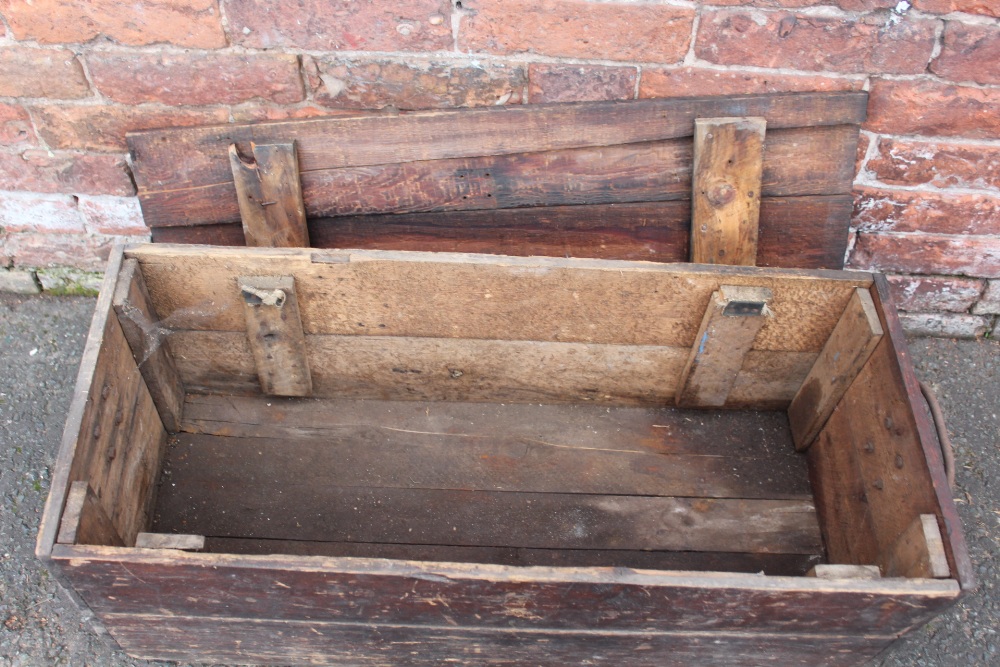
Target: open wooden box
483, 462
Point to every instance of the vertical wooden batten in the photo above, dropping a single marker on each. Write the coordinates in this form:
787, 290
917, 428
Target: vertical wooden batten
731, 322
270, 196
274, 332
725, 204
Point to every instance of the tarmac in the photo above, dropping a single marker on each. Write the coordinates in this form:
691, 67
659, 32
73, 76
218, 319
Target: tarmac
41, 341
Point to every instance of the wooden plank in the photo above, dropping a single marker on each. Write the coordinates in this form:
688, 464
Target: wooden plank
795, 232
798, 161
340, 142
730, 324
233, 641
769, 381
789, 565
173, 541
845, 353
443, 295
919, 551
149, 344
828, 571
484, 595
270, 195
725, 200
84, 521
274, 333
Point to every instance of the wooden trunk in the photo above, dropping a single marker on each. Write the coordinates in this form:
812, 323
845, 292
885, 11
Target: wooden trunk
480, 459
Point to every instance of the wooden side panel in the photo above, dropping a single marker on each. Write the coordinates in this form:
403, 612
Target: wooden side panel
919, 551
845, 353
149, 344
274, 333
725, 200
84, 521
270, 196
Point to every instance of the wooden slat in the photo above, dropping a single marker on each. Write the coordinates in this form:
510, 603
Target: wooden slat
173, 541
919, 551
270, 196
340, 142
797, 161
845, 353
725, 200
84, 521
827, 571
375, 293
729, 327
274, 333
149, 344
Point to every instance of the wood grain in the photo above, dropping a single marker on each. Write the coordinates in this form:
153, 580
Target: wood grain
827, 571
274, 334
919, 551
269, 195
149, 344
844, 355
173, 541
726, 190
84, 521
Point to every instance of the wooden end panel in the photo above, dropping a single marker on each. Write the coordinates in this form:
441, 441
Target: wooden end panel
84, 521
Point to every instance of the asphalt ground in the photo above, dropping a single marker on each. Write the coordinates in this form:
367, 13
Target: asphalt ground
41, 340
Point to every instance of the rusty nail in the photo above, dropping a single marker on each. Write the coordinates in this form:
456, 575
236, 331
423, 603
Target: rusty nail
112, 453
97, 430
268, 203
869, 446
119, 416
879, 484
889, 423
105, 390
899, 461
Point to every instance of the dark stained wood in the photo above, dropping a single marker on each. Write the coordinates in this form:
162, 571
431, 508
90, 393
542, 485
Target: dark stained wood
341, 142
187, 639
149, 344
787, 565
480, 595
269, 193
799, 161
726, 190
84, 521
274, 334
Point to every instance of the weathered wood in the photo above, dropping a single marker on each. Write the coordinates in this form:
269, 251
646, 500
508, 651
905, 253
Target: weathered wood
728, 329
445, 295
799, 162
845, 353
270, 196
274, 333
919, 551
84, 521
173, 541
726, 190
826, 571
347, 141
149, 344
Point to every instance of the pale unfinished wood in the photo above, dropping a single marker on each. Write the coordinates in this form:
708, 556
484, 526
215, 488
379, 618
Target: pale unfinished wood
149, 344
274, 332
825, 571
732, 319
853, 339
84, 521
270, 195
919, 551
170, 541
725, 201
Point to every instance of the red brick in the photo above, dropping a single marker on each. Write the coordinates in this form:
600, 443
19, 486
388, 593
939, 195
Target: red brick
102, 128
31, 212
322, 25
196, 78
931, 108
15, 127
577, 29
989, 302
70, 173
374, 84
935, 293
80, 251
977, 256
191, 23
800, 41
903, 162
969, 53
254, 112
577, 83
944, 325
984, 7
112, 215
933, 212
850, 5
54, 73
693, 81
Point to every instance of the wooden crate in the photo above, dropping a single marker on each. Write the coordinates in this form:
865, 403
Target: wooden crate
303, 456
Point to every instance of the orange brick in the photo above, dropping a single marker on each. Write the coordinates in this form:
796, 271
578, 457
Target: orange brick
882, 210
943, 165
71, 173
54, 73
969, 53
977, 256
693, 81
984, 7
932, 108
577, 83
15, 127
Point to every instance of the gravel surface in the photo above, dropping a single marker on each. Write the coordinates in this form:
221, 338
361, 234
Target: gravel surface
41, 340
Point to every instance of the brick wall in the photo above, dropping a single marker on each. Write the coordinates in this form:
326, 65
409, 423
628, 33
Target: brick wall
75, 76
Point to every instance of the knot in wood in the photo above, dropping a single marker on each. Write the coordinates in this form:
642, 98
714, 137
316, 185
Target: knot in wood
720, 193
